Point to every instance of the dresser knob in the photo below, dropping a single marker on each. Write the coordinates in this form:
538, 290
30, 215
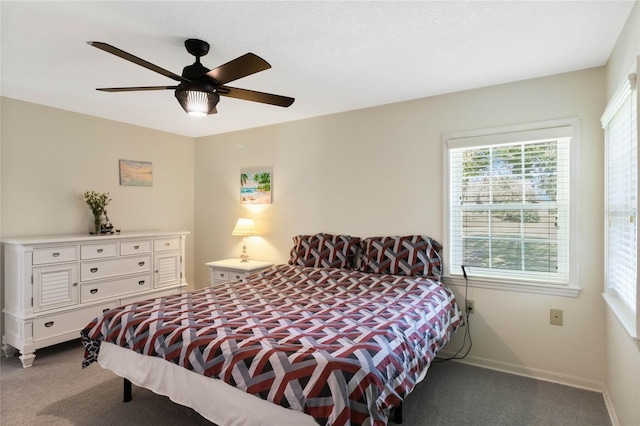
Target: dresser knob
140, 263
55, 254
141, 282
100, 250
48, 324
136, 247
93, 291
94, 270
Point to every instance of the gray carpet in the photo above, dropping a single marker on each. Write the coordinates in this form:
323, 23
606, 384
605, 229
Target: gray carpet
458, 394
56, 391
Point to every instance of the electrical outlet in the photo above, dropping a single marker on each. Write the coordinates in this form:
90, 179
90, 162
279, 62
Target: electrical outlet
555, 316
471, 307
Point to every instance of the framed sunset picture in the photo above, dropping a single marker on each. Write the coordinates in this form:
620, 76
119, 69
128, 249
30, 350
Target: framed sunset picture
136, 173
256, 184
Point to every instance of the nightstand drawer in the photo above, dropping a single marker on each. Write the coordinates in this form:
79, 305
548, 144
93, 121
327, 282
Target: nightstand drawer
234, 270
236, 276
220, 275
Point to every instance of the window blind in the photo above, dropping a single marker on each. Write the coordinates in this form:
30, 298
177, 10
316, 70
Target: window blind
620, 124
510, 205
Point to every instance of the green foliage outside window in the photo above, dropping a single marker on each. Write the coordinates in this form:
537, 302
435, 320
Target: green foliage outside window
514, 182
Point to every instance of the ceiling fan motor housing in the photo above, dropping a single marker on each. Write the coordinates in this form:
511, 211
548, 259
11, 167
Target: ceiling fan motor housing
195, 71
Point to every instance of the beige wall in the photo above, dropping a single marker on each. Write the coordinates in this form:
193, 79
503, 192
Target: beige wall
378, 171
622, 353
51, 156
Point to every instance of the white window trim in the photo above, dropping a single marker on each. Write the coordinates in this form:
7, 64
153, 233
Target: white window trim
455, 277
627, 319
624, 316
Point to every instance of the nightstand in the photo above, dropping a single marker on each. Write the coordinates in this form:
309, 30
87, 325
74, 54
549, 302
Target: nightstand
234, 269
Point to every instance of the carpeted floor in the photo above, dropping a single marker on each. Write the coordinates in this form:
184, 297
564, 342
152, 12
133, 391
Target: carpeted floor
460, 394
56, 391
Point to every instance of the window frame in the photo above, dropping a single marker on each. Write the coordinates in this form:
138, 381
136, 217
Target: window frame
567, 127
628, 319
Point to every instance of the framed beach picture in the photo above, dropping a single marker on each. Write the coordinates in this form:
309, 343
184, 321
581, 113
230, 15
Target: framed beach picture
136, 173
256, 184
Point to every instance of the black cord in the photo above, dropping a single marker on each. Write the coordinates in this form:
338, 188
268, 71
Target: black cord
467, 333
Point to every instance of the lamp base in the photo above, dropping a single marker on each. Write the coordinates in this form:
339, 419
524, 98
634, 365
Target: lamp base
244, 257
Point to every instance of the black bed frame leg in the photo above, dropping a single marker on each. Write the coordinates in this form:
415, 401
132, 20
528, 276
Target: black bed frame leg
397, 414
127, 390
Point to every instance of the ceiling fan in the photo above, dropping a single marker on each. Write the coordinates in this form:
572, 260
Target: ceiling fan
200, 88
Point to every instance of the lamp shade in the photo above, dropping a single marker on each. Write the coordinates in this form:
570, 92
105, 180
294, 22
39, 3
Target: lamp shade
244, 228
196, 100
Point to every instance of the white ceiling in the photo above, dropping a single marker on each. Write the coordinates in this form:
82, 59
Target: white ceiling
330, 56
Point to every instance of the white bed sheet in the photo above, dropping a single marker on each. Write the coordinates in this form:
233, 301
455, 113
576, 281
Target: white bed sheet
215, 400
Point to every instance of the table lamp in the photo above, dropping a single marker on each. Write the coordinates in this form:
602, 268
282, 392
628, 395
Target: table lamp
244, 228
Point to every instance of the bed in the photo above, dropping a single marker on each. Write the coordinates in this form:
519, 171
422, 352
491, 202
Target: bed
324, 339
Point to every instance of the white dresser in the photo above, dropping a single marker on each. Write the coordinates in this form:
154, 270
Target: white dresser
234, 269
54, 286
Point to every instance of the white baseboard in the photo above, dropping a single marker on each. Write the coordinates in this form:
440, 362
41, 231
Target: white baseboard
610, 409
548, 376
533, 373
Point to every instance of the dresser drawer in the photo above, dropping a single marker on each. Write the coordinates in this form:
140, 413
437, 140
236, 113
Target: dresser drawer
100, 290
98, 251
109, 268
54, 254
149, 296
135, 247
49, 326
166, 244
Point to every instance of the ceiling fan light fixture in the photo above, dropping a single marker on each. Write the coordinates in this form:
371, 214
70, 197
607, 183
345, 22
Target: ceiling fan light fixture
197, 101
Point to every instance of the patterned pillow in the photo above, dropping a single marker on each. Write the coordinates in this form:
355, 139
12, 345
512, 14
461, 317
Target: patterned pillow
410, 255
324, 251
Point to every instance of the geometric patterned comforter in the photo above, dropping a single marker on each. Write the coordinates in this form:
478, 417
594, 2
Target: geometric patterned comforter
342, 346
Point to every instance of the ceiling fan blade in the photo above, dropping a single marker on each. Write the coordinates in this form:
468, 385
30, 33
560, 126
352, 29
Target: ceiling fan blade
240, 67
136, 89
250, 95
129, 57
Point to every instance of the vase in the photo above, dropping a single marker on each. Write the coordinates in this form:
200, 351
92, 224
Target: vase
97, 221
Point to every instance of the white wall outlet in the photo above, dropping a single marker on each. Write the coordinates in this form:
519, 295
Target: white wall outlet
555, 316
471, 306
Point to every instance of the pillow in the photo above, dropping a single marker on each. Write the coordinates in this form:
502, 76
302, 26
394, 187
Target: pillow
324, 251
410, 255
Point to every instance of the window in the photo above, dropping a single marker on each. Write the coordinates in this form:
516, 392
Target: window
510, 202
621, 194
